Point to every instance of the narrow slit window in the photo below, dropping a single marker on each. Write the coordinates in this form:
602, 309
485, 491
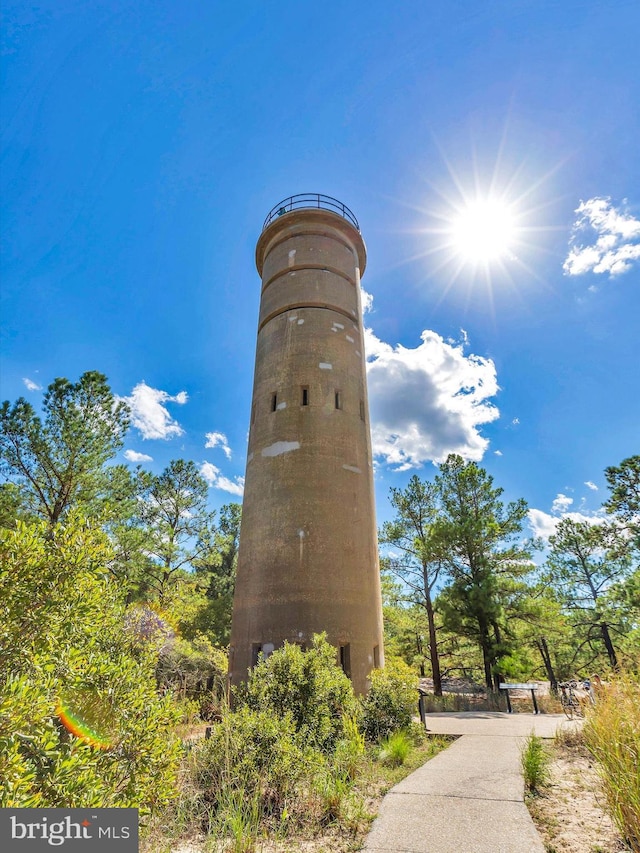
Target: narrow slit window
305, 397
338, 399
361, 410
253, 413
274, 402
345, 659
256, 648
376, 657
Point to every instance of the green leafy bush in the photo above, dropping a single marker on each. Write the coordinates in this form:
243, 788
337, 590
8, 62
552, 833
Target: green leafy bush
257, 752
308, 686
349, 749
66, 653
391, 701
290, 750
416, 733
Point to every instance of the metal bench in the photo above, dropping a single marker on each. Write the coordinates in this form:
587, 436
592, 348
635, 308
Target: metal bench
531, 687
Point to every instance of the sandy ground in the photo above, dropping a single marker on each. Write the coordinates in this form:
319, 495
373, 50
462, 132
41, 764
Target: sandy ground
570, 815
453, 685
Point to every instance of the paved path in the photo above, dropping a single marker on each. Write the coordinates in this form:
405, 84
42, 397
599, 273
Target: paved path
470, 797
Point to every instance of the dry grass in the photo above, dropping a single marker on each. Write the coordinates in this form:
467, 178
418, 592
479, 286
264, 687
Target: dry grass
462, 695
456, 702
612, 735
570, 812
548, 703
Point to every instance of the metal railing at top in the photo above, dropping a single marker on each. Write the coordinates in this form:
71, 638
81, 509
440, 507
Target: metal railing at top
306, 200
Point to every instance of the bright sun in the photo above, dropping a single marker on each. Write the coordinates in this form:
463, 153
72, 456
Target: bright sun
482, 224
483, 231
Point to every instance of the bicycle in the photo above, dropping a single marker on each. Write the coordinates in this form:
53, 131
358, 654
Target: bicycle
569, 701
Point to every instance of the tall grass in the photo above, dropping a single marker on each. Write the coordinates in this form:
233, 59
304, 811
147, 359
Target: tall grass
612, 735
535, 760
395, 748
331, 790
238, 820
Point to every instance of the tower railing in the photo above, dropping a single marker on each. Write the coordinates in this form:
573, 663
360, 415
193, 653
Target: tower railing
313, 200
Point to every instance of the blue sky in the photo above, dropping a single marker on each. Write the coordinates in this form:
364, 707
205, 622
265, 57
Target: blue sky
143, 144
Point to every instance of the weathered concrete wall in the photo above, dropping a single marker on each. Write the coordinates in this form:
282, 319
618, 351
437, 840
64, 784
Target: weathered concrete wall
308, 559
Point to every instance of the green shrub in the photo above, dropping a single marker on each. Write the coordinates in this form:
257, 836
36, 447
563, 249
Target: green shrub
416, 733
66, 653
258, 773
255, 753
394, 749
197, 670
612, 735
308, 686
287, 755
349, 749
535, 760
391, 701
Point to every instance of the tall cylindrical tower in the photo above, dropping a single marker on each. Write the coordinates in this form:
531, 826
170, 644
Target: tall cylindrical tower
308, 558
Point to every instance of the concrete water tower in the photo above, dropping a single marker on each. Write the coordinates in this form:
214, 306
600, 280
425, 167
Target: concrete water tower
308, 557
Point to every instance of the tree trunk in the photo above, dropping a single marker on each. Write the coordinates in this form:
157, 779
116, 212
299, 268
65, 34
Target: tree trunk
606, 637
486, 653
488, 675
433, 648
542, 647
420, 651
497, 676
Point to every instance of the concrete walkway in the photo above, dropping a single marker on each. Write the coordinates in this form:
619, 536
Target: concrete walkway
470, 797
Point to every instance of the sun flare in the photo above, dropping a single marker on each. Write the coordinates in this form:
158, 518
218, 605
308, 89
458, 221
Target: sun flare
483, 231
483, 224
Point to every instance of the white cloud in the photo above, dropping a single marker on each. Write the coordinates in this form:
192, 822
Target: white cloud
591, 485
429, 401
209, 472
218, 439
31, 385
218, 481
134, 456
498, 452
561, 504
543, 524
235, 487
149, 414
617, 239
516, 421
366, 299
